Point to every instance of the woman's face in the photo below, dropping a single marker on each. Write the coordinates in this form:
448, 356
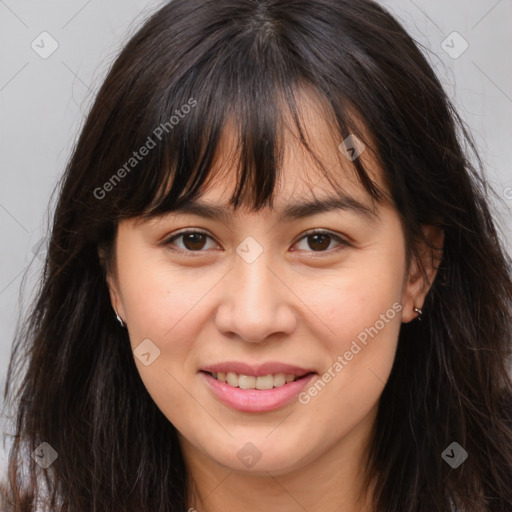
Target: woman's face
256, 294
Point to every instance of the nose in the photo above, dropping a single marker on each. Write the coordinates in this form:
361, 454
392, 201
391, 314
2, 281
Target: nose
256, 302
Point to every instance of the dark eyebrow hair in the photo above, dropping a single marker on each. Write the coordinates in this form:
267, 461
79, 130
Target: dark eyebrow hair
293, 211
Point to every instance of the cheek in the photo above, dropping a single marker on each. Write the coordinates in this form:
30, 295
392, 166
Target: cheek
363, 313
161, 301
362, 296
162, 306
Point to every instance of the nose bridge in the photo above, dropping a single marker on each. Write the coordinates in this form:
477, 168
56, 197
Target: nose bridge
256, 304
255, 281
252, 269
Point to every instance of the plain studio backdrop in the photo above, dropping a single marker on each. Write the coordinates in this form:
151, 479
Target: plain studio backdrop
55, 54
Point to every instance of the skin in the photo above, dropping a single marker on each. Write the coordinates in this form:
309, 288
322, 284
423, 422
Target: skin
302, 306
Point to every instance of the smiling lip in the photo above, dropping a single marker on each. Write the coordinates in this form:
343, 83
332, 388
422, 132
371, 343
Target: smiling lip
256, 371
256, 400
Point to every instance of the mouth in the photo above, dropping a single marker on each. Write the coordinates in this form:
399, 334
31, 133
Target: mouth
264, 392
262, 382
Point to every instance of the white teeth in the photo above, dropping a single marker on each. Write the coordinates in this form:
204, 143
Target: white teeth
251, 382
279, 380
246, 382
232, 379
265, 382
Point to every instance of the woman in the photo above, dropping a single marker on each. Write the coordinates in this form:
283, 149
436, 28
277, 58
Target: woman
273, 281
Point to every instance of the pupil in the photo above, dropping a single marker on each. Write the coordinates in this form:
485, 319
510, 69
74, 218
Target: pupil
192, 239
324, 237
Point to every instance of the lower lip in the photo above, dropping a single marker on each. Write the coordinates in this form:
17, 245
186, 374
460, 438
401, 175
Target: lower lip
256, 400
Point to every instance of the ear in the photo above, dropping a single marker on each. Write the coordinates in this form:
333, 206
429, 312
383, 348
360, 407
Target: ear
112, 283
417, 285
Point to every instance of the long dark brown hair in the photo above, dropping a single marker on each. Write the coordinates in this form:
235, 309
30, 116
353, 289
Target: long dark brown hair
193, 65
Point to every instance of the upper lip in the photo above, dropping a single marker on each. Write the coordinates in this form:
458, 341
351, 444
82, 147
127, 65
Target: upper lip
256, 370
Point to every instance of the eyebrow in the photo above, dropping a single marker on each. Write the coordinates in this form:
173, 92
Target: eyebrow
293, 211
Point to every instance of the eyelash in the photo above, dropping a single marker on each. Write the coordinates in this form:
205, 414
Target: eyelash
343, 243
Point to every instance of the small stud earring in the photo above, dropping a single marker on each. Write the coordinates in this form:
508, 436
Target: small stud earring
418, 310
119, 319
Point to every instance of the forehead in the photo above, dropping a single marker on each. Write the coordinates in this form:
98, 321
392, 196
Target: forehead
288, 162
326, 172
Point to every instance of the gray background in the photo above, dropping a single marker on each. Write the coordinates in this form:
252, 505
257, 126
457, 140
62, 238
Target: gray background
43, 102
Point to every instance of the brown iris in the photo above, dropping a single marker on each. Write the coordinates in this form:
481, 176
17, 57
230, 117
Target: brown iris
193, 242
321, 237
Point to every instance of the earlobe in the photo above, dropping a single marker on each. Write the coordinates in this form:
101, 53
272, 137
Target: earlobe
115, 300
119, 319
111, 281
422, 272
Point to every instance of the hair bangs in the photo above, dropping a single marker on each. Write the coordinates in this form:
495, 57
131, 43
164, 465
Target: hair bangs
245, 136
250, 89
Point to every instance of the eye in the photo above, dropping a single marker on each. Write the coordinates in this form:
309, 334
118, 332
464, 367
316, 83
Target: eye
319, 240
193, 240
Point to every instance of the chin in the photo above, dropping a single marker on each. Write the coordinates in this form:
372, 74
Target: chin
259, 457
